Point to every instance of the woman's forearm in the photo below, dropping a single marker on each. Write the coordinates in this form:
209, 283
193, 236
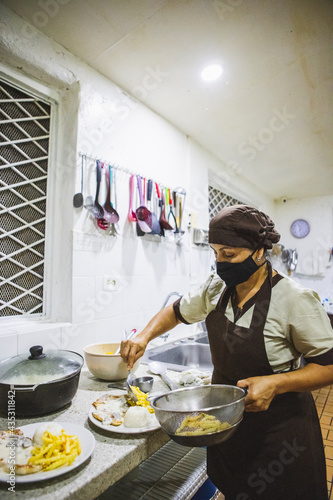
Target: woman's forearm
262, 390
164, 321
309, 378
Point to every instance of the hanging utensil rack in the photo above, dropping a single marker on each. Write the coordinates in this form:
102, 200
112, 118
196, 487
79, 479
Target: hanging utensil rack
127, 171
117, 167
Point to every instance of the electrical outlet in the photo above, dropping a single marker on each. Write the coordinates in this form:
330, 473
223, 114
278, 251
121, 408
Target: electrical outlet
111, 283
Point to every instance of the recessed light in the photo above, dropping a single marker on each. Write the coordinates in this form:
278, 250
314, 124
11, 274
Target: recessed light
211, 72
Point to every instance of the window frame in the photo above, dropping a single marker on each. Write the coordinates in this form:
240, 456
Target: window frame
52, 98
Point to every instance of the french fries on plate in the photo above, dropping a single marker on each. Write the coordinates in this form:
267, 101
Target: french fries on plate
56, 451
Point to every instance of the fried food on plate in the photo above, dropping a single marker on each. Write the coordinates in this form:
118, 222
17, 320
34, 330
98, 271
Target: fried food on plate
49, 449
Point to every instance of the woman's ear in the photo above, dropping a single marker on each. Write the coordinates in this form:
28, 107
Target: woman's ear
260, 254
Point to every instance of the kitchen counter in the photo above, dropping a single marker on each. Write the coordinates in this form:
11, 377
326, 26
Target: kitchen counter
114, 456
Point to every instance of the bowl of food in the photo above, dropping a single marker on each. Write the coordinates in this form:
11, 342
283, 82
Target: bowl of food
200, 416
103, 363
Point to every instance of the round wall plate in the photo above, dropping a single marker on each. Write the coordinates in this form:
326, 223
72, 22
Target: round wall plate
300, 228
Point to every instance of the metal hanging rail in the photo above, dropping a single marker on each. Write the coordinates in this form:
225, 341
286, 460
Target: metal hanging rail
118, 167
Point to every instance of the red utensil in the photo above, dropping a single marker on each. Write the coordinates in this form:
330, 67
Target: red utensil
143, 215
171, 211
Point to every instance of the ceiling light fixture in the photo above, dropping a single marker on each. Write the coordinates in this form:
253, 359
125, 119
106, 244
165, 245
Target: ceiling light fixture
211, 72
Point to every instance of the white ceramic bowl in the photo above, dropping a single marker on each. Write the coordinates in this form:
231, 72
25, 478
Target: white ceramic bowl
106, 366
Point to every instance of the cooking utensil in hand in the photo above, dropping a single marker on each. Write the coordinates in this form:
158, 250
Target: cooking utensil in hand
225, 403
129, 388
143, 215
78, 197
97, 210
159, 369
131, 214
127, 337
110, 214
155, 225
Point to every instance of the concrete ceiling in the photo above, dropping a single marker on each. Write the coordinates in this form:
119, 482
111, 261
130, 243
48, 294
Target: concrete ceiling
268, 118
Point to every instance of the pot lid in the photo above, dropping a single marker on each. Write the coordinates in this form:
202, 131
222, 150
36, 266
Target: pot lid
39, 367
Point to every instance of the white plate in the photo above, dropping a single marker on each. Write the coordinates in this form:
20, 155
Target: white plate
87, 441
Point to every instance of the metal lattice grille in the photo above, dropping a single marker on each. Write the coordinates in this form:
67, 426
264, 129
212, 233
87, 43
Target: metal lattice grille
219, 200
24, 146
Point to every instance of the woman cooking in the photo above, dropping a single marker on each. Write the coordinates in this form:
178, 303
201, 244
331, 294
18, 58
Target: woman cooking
260, 325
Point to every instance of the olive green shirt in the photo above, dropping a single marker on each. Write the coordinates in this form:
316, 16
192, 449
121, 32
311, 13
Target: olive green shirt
296, 324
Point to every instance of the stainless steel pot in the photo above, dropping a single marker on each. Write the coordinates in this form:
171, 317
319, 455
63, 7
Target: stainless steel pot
40, 383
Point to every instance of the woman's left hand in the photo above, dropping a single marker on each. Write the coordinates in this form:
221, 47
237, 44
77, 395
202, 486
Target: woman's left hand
261, 391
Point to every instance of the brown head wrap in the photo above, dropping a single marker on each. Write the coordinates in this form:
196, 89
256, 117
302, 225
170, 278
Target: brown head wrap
243, 226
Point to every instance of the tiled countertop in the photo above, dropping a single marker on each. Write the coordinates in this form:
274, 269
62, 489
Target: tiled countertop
114, 455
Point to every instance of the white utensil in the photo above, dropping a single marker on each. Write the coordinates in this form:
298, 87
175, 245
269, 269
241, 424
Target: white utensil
159, 369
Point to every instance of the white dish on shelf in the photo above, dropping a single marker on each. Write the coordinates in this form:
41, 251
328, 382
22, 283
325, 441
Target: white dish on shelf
87, 442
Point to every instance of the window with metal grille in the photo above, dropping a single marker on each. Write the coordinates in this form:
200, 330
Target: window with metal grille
219, 200
24, 152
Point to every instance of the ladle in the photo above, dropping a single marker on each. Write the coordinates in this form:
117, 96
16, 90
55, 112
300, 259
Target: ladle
159, 369
98, 211
143, 215
110, 214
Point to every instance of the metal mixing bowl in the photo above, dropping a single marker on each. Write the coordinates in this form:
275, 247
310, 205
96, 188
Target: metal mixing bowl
225, 402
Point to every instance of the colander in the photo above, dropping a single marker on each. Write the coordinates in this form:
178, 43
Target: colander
225, 402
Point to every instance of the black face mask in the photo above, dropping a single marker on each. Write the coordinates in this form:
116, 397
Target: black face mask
234, 274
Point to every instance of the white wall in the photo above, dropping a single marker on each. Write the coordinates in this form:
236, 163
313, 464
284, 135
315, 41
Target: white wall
99, 119
314, 269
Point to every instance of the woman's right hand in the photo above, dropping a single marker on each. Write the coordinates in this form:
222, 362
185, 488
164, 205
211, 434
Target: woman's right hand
132, 350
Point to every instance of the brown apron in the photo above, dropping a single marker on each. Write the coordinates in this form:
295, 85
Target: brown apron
275, 454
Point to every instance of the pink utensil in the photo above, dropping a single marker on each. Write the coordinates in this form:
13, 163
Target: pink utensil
131, 214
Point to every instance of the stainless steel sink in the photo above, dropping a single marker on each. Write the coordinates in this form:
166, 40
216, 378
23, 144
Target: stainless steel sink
179, 356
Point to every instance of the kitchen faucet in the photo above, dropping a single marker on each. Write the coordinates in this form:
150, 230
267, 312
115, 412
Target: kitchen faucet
177, 294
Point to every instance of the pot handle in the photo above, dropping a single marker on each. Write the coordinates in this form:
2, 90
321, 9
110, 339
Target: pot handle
24, 388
